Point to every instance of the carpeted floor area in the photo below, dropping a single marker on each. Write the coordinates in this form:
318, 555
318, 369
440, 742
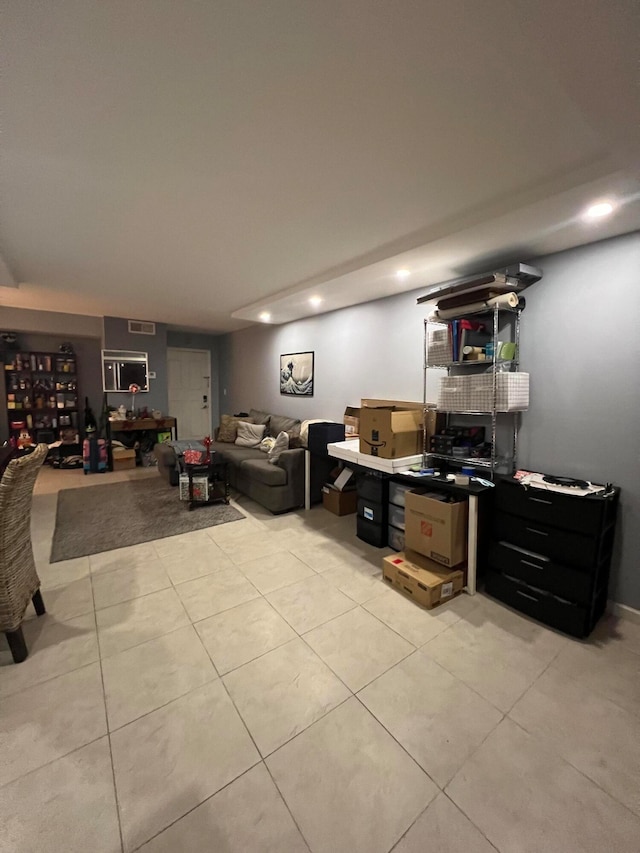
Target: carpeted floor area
115, 515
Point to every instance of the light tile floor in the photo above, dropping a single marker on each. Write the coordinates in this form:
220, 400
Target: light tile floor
256, 687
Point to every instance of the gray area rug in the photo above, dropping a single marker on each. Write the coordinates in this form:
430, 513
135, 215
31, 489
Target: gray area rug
99, 518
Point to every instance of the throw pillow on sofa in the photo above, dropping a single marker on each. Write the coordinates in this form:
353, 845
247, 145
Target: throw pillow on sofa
267, 443
249, 435
282, 444
228, 431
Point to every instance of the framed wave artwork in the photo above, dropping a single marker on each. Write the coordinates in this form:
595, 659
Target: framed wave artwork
296, 374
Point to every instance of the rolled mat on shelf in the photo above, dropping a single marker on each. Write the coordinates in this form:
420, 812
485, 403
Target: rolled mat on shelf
505, 300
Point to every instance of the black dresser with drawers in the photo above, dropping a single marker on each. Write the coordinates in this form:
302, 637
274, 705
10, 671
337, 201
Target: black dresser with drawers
550, 554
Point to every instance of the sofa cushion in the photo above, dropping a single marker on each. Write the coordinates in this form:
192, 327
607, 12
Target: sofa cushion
234, 454
249, 435
263, 472
280, 423
259, 417
228, 431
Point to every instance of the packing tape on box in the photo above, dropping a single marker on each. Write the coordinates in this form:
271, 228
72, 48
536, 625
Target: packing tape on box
505, 300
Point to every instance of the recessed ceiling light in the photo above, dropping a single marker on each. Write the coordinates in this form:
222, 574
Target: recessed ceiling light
315, 301
402, 274
265, 316
599, 210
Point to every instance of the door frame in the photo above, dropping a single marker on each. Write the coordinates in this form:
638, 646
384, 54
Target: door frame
208, 354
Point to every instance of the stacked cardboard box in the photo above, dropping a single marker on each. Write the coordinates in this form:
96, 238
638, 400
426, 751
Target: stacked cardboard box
424, 581
351, 422
340, 496
436, 528
390, 429
431, 568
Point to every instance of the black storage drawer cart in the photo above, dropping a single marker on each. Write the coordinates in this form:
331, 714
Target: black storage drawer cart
550, 554
373, 507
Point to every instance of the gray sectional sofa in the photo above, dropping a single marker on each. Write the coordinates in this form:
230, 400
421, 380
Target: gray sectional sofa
277, 486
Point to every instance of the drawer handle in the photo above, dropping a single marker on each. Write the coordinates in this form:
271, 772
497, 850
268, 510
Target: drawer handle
541, 501
533, 565
526, 595
539, 532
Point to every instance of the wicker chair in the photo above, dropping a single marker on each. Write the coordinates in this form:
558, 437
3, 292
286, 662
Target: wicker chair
19, 581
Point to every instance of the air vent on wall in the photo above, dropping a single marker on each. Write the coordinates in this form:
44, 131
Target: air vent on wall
139, 327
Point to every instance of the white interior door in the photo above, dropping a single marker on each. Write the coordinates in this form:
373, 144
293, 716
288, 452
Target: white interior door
190, 391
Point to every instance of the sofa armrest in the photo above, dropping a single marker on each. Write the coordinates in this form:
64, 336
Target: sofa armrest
293, 463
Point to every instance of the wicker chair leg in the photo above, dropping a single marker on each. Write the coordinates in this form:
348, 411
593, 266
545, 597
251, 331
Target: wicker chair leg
38, 603
17, 645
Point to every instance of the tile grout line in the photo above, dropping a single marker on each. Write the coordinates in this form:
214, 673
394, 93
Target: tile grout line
482, 833
169, 701
237, 710
375, 678
462, 680
53, 677
582, 773
197, 806
286, 805
299, 637
106, 717
262, 759
467, 759
58, 757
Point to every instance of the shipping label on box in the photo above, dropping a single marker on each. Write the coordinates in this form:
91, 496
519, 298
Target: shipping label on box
421, 579
436, 529
390, 432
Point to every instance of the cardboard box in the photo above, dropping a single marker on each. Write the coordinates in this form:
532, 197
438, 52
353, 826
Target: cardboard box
422, 580
351, 422
390, 431
123, 458
436, 529
345, 480
337, 502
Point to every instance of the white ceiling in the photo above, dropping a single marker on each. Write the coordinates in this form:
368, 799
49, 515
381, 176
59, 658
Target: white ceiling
197, 163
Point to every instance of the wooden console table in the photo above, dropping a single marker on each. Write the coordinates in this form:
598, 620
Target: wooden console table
143, 424
114, 425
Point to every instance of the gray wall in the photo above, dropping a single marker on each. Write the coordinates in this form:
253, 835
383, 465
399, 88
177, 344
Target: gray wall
580, 343
192, 340
117, 336
49, 323
371, 350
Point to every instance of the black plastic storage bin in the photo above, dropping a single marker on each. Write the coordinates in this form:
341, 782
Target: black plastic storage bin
373, 487
369, 531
